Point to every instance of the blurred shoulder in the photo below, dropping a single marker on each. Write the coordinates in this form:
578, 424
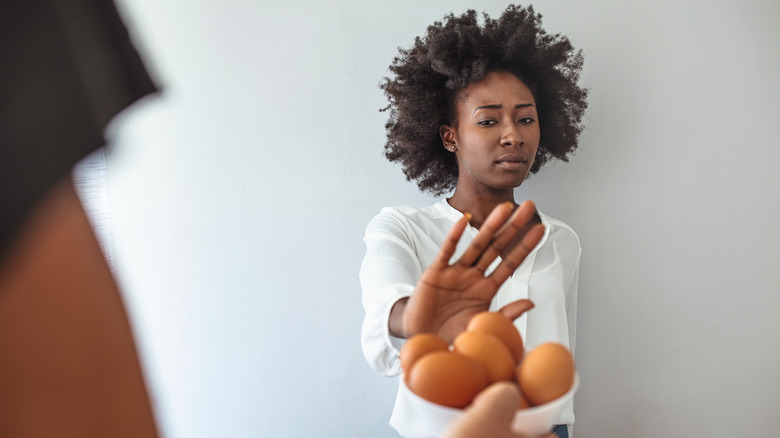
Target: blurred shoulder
561, 233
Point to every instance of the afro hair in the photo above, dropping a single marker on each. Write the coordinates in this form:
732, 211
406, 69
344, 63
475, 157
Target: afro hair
458, 52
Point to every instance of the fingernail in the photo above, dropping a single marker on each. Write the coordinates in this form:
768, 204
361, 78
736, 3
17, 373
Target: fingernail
468, 216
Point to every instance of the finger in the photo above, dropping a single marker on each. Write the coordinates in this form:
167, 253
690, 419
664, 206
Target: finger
499, 401
521, 216
519, 219
497, 405
495, 220
451, 242
491, 414
517, 255
514, 309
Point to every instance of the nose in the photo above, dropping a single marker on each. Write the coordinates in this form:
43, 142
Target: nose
512, 136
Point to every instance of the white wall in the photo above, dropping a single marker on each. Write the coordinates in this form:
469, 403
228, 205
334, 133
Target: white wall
240, 195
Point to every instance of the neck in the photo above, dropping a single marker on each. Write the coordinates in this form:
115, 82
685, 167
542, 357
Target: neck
479, 204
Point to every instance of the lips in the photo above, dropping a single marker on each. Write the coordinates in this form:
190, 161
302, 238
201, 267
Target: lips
511, 161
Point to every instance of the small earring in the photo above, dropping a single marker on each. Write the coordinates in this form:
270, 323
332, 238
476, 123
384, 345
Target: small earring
453, 147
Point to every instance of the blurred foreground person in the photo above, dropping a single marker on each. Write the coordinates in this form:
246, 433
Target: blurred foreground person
68, 361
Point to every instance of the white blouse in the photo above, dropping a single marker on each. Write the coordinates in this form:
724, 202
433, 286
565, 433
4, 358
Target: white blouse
401, 242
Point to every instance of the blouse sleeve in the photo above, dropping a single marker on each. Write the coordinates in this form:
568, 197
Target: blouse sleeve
389, 272
567, 250
571, 293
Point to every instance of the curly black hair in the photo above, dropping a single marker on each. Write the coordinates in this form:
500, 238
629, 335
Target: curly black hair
458, 52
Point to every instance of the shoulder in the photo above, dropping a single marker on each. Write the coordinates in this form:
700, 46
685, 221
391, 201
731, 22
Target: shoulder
561, 233
403, 217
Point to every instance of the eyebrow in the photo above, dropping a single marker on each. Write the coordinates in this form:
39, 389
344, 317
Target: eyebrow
519, 105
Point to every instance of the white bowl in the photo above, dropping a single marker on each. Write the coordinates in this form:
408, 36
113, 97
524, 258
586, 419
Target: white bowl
422, 418
538, 420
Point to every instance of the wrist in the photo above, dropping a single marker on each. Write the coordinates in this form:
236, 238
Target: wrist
396, 320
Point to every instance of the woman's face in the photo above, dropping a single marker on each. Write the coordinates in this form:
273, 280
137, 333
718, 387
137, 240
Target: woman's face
497, 132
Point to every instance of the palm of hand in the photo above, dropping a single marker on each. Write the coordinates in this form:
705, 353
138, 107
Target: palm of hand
446, 298
448, 295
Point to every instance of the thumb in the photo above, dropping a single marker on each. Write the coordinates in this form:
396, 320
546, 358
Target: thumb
490, 415
514, 309
499, 402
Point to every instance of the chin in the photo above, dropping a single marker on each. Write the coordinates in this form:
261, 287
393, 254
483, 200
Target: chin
502, 187
515, 183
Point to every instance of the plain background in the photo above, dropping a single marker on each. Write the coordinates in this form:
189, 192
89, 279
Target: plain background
239, 198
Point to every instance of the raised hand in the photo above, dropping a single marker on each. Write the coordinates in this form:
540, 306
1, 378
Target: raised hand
449, 294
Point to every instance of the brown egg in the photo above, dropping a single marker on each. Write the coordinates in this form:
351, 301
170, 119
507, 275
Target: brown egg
501, 327
447, 378
489, 351
546, 373
419, 345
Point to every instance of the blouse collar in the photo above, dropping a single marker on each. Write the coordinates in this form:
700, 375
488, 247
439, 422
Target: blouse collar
452, 213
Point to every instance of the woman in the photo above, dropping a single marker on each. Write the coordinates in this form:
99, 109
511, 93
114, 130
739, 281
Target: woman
474, 108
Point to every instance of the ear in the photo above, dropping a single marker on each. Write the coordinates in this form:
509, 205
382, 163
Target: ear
448, 136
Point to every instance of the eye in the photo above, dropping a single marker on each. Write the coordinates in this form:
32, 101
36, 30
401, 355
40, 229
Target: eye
526, 120
488, 122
